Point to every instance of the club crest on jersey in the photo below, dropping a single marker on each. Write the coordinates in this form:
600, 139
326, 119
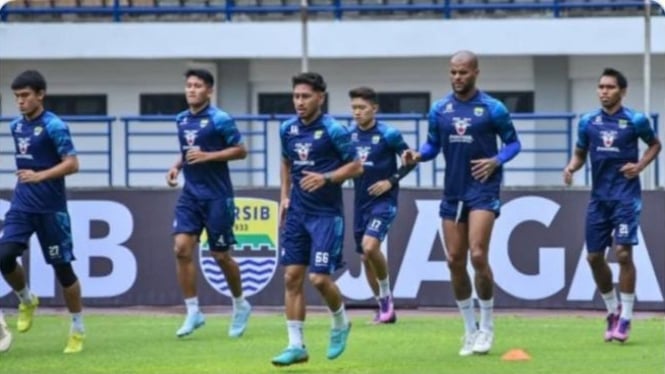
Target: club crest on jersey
363, 154
38, 130
376, 139
623, 124
461, 124
608, 138
190, 137
478, 111
302, 150
204, 123
318, 134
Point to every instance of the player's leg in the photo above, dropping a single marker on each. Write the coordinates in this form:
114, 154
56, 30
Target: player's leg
187, 228
481, 223
220, 217
5, 334
359, 224
375, 232
55, 237
598, 236
626, 222
18, 228
455, 232
325, 258
295, 256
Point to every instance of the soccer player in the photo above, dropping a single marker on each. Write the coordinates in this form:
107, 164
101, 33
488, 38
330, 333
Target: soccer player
209, 139
317, 157
376, 193
45, 154
5, 335
464, 125
610, 136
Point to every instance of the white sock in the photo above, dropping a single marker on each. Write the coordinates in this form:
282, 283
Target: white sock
192, 305
384, 287
486, 308
77, 322
238, 301
466, 308
295, 333
24, 295
378, 301
339, 320
627, 302
611, 301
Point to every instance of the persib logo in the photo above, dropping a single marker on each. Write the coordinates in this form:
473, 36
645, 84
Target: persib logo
256, 231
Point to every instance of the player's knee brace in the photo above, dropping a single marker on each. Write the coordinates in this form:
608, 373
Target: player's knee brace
8, 254
65, 274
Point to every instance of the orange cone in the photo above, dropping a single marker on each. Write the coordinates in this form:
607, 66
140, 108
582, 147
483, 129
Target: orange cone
516, 355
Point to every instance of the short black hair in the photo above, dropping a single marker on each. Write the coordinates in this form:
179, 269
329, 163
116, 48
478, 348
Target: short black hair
314, 80
364, 93
622, 82
202, 74
30, 79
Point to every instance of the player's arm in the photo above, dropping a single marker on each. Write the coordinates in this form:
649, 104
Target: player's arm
648, 136
482, 169
172, 174
398, 145
431, 148
579, 155
69, 163
352, 167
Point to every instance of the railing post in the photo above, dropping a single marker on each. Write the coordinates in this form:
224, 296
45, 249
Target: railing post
228, 9
338, 9
109, 143
3, 13
446, 9
127, 133
116, 11
556, 8
265, 152
417, 133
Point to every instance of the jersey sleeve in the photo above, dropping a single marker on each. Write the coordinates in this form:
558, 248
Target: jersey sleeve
341, 139
582, 135
59, 133
503, 123
395, 140
282, 139
643, 129
226, 126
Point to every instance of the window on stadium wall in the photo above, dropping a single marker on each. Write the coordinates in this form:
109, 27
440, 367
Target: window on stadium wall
162, 104
403, 102
77, 105
515, 101
280, 103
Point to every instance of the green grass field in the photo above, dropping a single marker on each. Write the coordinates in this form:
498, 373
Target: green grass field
416, 344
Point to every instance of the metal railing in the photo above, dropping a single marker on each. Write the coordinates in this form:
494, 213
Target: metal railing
97, 129
229, 8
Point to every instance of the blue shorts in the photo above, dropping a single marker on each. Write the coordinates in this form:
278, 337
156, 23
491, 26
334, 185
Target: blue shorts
603, 217
458, 210
374, 222
54, 231
216, 216
312, 240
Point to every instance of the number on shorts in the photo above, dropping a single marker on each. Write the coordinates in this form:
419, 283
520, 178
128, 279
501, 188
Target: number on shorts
321, 258
375, 224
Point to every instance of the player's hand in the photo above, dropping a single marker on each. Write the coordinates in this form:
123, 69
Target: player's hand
29, 176
196, 156
312, 181
172, 177
380, 187
411, 157
482, 169
568, 176
631, 170
283, 208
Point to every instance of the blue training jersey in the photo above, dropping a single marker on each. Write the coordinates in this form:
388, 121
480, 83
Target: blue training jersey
210, 130
321, 146
612, 141
41, 144
465, 131
377, 149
